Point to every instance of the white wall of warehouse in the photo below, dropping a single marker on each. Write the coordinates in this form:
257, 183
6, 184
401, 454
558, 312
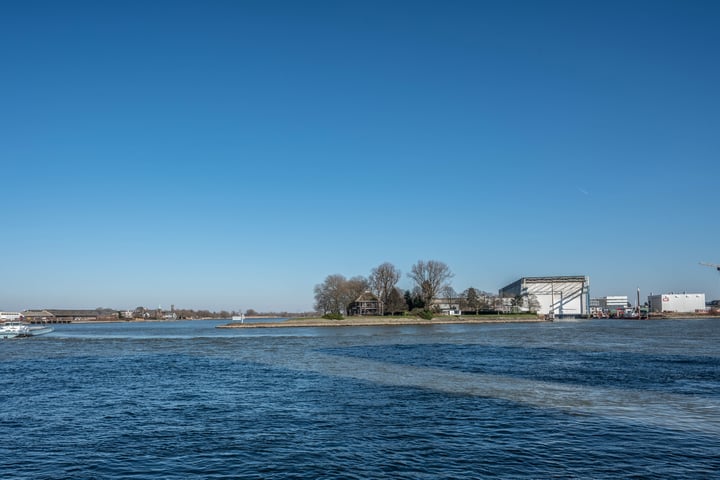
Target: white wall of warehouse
568, 297
677, 302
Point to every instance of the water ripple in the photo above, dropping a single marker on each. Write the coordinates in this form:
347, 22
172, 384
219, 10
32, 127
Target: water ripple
402, 404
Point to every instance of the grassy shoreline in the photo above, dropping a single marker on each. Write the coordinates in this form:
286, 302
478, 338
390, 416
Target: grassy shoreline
386, 321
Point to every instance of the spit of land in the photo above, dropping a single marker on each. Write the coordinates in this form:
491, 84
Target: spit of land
384, 321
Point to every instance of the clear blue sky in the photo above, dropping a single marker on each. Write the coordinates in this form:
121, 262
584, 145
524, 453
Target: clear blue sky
232, 154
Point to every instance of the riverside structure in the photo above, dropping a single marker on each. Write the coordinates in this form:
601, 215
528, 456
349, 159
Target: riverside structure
677, 302
562, 296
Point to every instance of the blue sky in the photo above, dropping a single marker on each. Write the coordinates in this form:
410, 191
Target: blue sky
231, 155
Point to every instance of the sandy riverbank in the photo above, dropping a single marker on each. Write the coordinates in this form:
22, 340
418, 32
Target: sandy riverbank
382, 321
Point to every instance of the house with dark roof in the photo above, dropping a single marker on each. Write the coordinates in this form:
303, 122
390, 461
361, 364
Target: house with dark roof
366, 304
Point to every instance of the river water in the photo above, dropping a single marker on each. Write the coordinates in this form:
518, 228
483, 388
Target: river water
588, 399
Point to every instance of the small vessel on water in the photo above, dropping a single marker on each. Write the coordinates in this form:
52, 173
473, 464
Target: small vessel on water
14, 328
39, 330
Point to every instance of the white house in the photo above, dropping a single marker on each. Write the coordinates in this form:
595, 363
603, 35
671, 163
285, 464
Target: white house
447, 306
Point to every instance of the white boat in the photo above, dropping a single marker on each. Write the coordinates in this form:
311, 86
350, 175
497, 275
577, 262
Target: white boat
14, 329
40, 330
239, 318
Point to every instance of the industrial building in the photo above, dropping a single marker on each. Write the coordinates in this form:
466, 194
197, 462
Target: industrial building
614, 301
677, 302
563, 296
608, 304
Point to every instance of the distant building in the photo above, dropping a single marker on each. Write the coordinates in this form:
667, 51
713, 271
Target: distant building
53, 315
366, 304
562, 296
10, 316
614, 301
447, 306
39, 316
503, 305
73, 315
677, 302
609, 304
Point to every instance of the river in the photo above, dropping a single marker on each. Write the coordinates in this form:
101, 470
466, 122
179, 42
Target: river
166, 400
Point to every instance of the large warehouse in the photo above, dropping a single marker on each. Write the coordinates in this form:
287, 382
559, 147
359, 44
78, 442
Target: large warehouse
677, 302
554, 296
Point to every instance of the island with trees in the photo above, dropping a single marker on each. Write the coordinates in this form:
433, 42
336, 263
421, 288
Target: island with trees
377, 300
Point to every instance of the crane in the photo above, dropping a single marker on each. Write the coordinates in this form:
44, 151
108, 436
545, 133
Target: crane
716, 267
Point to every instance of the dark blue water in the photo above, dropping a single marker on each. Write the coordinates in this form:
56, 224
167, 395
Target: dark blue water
598, 399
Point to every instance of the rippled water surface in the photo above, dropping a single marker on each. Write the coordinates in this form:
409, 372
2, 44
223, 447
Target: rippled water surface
595, 399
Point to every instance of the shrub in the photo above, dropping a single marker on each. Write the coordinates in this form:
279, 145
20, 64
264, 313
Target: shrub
333, 316
423, 313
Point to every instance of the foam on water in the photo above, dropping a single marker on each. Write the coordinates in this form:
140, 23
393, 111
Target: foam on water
665, 410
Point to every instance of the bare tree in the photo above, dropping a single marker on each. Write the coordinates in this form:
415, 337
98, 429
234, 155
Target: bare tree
449, 292
336, 293
383, 279
430, 277
330, 295
534, 304
450, 295
352, 289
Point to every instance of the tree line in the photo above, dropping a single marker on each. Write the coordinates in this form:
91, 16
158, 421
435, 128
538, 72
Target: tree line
431, 280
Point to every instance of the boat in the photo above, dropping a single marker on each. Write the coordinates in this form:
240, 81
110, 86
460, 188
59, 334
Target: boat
14, 328
40, 330
239, 318
631, 313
